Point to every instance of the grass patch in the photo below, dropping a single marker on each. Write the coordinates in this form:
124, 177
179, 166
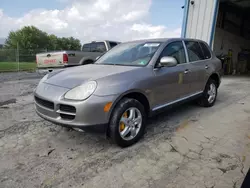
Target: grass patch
13, 66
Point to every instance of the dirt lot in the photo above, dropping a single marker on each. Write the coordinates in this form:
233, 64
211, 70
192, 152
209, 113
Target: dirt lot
187, 147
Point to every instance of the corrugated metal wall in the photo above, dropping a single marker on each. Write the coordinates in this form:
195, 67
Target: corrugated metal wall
201, 19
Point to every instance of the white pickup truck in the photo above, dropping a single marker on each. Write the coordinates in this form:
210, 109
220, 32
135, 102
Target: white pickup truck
88, 54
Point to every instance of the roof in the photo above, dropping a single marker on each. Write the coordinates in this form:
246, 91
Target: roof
149, 40
162, 40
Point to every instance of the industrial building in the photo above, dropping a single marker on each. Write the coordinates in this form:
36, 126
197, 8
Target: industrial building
225, 26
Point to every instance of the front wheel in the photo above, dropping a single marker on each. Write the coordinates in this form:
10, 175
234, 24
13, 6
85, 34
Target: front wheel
127, 123
209, 95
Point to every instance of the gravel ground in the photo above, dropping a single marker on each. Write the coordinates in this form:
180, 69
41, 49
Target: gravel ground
187, 147
19, 75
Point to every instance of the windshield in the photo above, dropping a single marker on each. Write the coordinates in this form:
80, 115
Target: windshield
131, 54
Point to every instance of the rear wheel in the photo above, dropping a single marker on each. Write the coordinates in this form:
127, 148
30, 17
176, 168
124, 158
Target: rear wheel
127, 123
209, 95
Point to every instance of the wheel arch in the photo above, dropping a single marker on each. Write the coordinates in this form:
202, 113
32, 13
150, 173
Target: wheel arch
84, 61
135, 94
215, 77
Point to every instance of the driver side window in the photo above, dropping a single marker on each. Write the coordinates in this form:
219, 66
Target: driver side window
176, 50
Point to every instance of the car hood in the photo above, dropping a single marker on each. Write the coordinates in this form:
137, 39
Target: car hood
72, 77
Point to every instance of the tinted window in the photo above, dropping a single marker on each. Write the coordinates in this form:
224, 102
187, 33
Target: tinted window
112, 44
94, 47
86, 47
98, 47
206, 51
194, 51
176, 50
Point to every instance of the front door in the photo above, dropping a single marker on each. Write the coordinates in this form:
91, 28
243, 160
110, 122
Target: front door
171, 83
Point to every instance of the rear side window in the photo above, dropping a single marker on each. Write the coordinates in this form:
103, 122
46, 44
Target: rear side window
206, 51
194, 51
112, 44
176, 50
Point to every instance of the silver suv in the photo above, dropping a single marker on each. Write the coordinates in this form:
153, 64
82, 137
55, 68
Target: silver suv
129, 83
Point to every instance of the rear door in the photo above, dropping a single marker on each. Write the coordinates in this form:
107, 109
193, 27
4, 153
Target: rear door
207, 61
197, 64
50, 60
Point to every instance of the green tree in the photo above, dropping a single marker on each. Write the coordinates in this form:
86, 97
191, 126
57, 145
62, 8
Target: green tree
69, 43
53, 42
29, 38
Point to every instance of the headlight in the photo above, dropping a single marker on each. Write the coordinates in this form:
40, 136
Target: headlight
81, 92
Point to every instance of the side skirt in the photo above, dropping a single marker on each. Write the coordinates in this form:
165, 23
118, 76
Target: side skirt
170, 105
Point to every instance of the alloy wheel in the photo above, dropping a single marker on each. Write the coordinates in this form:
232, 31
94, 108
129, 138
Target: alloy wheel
130, 123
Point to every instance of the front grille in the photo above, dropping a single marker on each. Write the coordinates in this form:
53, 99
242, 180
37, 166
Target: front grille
44, 103
67, 108
67, 112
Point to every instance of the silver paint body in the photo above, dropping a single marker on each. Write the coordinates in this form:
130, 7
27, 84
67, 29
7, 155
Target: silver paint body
160, 86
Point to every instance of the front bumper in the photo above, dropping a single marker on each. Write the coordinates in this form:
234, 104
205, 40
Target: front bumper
79, 114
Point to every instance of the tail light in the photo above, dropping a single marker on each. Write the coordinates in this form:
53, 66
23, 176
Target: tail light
36, 60
65, 58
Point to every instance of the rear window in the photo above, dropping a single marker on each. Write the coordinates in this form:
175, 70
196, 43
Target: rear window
98, 47
194, 51
206, 51
94, 47
86, 47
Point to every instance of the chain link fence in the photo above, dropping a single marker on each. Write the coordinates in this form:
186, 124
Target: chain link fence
12, 60
14, 55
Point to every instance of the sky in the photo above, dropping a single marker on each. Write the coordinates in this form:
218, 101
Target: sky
89, 20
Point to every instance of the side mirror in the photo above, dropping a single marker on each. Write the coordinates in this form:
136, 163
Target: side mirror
168, 61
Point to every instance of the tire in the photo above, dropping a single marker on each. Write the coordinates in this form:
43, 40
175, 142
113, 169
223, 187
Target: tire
205, 99
126, 106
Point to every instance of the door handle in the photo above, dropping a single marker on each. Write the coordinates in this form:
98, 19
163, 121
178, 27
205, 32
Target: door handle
186, 71
206, 67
